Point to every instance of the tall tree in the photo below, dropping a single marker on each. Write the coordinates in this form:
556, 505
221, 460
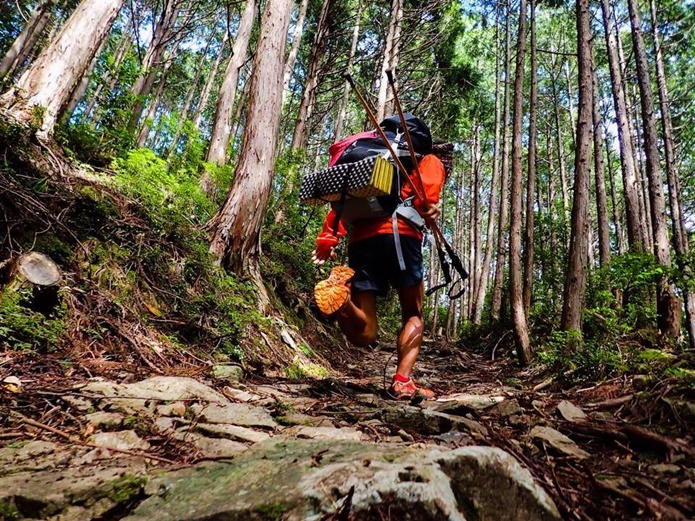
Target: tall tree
390, 56
521, 335
342, 108
496, 305
222, 126
604, 243
294, 50
316, 63
575, 281
236, 227
494, 184
162, 37
211, 76
680, 236
25, 42
627, 158
531, 180
45, 88
668, 306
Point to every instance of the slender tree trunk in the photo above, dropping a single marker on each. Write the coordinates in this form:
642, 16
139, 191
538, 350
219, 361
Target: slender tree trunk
25, 42
183, 117
81, 88
316, 60
668, 306
390, 52
575, 282
516, 296
221, 129
496, 306
476, 226
108, 83
212, 75
531, 182
342, 110
680, 236
619, 237
560, 149
51, 79
294, 50
153, 58
494, 183
604, 241
627, 159
154, 105
236, 228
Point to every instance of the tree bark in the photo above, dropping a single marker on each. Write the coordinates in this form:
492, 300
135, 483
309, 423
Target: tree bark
294, 50
479, 300
391, 49
212, 75
342, 110
318, 48
627, 159
680, 236
236, 228
575, 282
153, 58
516, 296
26, 41
45, 88
604, 241
222, 126
496, 305
668, 306
183, 116
144, 132
531, 180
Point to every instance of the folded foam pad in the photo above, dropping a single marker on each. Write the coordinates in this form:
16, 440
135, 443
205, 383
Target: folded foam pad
370, 177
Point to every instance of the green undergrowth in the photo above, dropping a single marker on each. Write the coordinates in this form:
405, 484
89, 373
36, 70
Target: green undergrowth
136, 259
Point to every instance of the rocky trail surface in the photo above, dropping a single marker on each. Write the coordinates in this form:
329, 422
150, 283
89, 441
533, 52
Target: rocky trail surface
496, 445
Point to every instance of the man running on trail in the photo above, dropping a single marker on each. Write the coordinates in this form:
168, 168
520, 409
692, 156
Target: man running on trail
350, 294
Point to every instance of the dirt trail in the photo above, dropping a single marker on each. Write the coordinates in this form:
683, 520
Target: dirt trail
603, 451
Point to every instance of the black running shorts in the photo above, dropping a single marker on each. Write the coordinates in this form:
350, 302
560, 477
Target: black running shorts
376, 263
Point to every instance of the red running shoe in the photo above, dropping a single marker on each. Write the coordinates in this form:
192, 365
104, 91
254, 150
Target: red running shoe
409, 391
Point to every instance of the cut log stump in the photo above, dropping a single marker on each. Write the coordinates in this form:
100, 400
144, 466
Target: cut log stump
39, 274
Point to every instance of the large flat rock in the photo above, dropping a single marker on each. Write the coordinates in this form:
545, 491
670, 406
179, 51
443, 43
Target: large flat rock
294, 480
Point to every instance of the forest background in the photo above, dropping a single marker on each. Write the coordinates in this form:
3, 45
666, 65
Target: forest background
571, 197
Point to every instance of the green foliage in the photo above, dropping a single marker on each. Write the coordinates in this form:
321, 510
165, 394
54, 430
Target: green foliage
127, 487
22, 329
565, 352
171, 199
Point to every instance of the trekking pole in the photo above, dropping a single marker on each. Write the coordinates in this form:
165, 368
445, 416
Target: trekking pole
383, 136
406, 131
436, 231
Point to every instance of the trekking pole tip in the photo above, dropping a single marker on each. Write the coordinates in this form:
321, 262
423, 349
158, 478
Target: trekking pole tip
389, 75
349, 79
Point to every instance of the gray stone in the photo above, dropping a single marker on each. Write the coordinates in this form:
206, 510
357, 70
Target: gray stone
571, 412
324, 433
215, 447
558, 441
105, 419
427, 422
232, 432
507, 408
463, 403
36, 455
235, 414
239, 395
229, 373
298, 480
121, 440
44, 494
143, 397
78, 402
665, 468
177, 409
